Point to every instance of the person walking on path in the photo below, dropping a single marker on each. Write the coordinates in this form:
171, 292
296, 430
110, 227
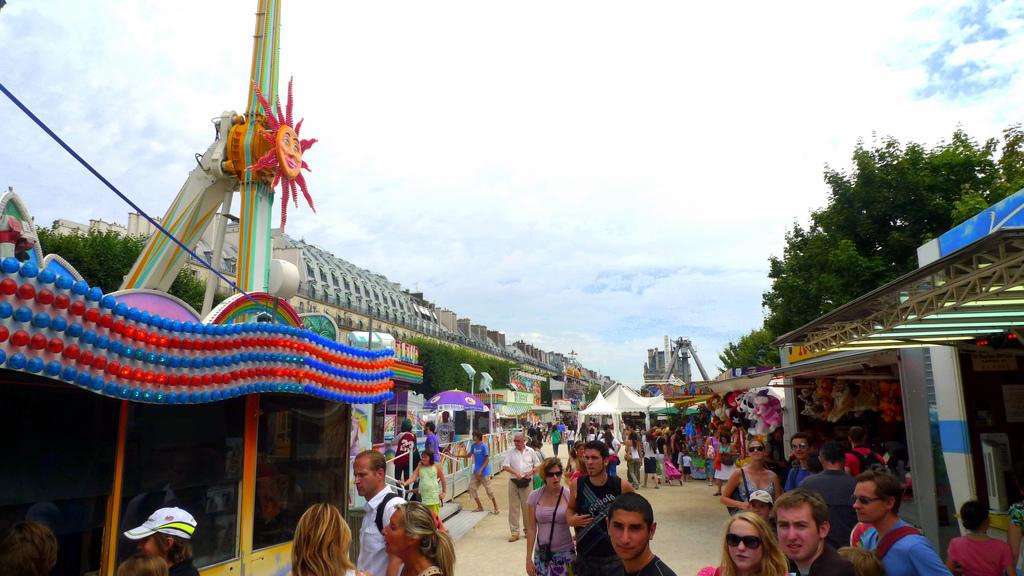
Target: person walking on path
726, 461
836, 488
800, 468
590, 499
650, 460
430, 442
405, 452
549, 546
749, 549
556, 437
749, 478
613, 449
521, 462
481, 472
904, 551
574, 467
432, 483
634, 456
631, 528
368, 470
802, 520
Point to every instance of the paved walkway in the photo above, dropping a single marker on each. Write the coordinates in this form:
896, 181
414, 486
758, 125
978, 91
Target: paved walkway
689, 533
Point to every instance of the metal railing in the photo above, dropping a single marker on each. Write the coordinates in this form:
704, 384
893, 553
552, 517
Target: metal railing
457, 463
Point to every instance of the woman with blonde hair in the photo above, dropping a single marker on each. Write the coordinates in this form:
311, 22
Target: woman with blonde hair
143, 565
749, 549
413, 536
865, 562
322, 541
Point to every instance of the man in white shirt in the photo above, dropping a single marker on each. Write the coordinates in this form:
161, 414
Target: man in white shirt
445, 432
369, 468
521, 462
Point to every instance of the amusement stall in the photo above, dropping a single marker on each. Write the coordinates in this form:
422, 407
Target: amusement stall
125, 402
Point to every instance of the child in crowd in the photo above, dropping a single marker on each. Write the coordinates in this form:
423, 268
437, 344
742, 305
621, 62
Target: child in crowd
978, 554
432, 487
687, 467
865, 562
143, 565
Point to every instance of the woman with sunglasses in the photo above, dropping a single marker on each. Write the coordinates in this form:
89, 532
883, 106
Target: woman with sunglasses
549, 545
749, 549
753, 476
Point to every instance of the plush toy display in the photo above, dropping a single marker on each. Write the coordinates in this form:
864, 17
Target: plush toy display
832, 400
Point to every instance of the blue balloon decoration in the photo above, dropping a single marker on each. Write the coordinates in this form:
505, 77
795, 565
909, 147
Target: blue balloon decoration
145, 317
34, 365
29, 270
58, 323
108, 301
80, 288
69, 373
94, 294
23, 314
6, 309
102, 342
88, 336
133, 313
10, 265
41, 320
52, 368
47, 276
121, 309
65, 282
3, 356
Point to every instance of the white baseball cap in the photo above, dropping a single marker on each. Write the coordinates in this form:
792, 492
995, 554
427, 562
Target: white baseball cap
171, 521
762, 496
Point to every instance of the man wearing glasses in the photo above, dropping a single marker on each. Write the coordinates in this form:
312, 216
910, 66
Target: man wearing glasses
904, 551
800, 444
802, 520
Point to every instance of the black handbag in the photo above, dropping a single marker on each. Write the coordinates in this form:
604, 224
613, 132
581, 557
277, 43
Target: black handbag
743, 496
521, 482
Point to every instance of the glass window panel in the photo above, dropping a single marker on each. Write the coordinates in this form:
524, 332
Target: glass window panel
300, 461
189, 457
58, 464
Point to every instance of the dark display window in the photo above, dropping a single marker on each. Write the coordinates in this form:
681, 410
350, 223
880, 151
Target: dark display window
59, 447
188, 457
302, 452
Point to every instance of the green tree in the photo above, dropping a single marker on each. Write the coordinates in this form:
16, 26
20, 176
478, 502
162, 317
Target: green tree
752, 349
104, 259
895, 198
442, 368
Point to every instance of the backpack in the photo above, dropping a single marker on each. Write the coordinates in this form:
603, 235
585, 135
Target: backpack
870, 461
380, 510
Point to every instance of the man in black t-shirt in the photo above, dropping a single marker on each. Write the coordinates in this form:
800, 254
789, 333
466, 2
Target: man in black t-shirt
631, 528
590, 497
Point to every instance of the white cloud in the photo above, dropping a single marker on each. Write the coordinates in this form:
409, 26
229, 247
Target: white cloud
588, 175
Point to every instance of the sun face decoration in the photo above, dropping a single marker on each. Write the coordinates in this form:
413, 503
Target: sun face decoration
284, 159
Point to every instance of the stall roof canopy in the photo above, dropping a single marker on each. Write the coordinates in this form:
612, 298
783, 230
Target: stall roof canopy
600, 406
975, 290
512, 410
625, 400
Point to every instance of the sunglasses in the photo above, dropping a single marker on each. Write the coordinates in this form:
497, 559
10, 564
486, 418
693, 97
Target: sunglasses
798, 446
751, 542
554, 474
755, 449
864, 500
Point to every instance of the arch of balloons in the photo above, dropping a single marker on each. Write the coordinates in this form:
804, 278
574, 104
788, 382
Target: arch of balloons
63, 329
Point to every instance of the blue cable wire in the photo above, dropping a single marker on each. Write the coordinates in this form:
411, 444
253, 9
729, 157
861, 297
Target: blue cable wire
106, 182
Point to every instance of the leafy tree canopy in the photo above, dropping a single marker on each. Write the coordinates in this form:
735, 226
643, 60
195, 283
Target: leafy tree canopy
104, 258
442, 368
752, 349
895, 197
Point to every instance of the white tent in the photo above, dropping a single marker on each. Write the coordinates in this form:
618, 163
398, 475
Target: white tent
626, 400
600, 407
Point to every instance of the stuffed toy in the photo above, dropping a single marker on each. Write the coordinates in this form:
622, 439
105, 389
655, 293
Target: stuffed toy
890, 403
842, 401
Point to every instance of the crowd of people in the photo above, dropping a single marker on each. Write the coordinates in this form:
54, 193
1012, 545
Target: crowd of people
838, 516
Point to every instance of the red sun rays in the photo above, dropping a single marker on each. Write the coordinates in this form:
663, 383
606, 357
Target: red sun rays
284, 159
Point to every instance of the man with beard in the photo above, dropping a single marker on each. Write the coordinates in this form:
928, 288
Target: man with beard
590, 498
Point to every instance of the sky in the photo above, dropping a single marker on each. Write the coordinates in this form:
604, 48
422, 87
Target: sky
584, 175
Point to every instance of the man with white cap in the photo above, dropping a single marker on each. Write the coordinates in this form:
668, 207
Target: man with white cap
167, 533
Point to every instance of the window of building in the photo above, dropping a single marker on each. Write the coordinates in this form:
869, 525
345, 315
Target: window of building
58, 469
301, 454
348, 288
310, 273
189, 457
334, 279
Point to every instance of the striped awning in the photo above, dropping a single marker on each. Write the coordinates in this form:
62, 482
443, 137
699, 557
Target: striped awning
513, 410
